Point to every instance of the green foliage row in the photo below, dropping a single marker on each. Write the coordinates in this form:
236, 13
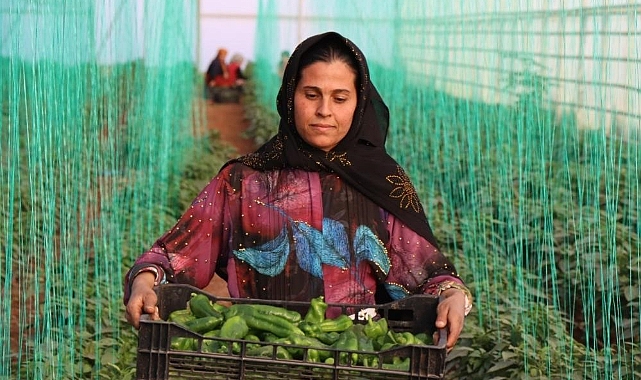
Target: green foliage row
537, 246
81, 338
263, 120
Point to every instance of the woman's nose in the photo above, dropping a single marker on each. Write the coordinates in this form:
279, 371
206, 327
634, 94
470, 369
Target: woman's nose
323, 108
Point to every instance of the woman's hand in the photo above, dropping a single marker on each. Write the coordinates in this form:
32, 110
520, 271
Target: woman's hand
450, 314
143, 299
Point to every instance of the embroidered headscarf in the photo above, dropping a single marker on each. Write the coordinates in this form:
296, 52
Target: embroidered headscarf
359, 158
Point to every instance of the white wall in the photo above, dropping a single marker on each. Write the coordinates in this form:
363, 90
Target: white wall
226, 24
589, 51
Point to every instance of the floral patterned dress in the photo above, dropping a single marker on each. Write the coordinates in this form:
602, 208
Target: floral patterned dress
293, 235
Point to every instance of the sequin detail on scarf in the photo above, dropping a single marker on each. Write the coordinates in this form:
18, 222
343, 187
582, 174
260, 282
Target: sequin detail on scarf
403, 190
257, 160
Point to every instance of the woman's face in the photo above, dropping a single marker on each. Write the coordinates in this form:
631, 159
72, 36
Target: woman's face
324, 103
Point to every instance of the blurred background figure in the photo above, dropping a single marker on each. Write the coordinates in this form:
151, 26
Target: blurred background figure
236, 76
217, 72
225, 81
284, 57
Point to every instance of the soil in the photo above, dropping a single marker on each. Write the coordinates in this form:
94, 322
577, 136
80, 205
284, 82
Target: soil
229, 120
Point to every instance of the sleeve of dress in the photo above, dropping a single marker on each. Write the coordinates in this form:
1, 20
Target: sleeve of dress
189, 251
417, 266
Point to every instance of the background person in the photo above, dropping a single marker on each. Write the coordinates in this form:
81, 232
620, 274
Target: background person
284, 57
236, 77
217, 72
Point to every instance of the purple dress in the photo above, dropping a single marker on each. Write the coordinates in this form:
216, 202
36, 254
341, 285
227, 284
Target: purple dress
294, 235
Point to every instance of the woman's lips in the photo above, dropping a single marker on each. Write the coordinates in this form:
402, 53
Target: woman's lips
322, 126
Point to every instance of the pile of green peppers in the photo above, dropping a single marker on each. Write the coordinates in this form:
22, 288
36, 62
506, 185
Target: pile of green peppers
275, 332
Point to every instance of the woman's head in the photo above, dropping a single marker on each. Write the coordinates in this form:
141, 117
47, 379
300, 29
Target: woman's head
332, 68
369, 119
326, 94
328, 50
237, 58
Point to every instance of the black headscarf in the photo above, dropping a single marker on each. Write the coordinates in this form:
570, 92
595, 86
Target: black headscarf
359, 158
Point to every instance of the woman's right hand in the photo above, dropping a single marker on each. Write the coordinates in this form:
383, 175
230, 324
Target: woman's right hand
143, 299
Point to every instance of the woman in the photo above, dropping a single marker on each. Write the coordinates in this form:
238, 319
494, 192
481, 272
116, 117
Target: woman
236, 75
284, 57
217, 72
320, 209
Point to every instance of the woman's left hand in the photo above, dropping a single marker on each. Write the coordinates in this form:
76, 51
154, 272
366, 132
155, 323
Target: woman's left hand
450, 314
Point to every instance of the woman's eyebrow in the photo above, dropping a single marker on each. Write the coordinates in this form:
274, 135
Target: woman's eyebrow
316, 88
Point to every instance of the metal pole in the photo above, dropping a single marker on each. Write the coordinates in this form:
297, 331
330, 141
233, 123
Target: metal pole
198, 48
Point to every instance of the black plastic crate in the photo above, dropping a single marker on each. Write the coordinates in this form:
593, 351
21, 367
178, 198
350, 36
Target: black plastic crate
157, 360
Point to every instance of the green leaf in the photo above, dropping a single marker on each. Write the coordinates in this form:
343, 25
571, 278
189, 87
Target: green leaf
502, 365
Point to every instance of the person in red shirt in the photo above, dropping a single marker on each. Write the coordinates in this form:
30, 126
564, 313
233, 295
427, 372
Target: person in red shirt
236, 76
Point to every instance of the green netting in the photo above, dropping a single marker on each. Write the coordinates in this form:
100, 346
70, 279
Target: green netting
518, 122
97, 101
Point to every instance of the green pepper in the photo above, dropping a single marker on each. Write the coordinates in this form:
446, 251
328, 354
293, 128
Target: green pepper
387, 346
329, 337
211, 345
316, 312
183, 344
374, 329
422, 339
358, 329
314, 356
234, 328
404, 338
398, 365
266, 336
317, 352
252, 338
290, 315
276, 325
267, 310
365, 344
381, 340
236, 347
257, 320
201, 306
218, 307
238, 309
204, 324
219, 346
338, 324
310, 329
348, 341
370, 361
390, 337
278, 352
181, 316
